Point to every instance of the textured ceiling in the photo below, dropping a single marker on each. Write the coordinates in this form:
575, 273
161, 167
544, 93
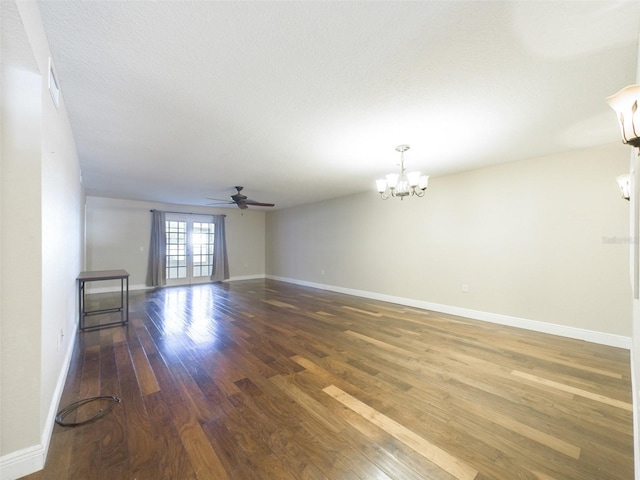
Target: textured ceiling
15, 50
305, 101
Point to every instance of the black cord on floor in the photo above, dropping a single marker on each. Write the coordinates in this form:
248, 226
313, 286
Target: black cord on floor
74, 406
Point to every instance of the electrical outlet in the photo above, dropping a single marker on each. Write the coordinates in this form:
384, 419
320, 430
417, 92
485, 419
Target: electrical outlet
465, 288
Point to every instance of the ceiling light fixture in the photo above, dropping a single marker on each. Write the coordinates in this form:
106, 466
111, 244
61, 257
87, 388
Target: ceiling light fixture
624, 182
625, 104
402, 184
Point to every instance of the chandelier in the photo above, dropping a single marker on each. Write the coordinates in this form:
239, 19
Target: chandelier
625, 104
402, 184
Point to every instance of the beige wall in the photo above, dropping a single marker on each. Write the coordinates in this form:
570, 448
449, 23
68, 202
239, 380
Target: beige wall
544, 239
118, 234
41, 244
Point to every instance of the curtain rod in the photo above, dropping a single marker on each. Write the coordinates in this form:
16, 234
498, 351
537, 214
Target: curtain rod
185, 213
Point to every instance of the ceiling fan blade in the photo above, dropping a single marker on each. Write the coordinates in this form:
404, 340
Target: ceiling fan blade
242, 201
259, 204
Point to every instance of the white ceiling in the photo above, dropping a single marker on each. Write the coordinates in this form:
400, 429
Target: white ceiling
304, 101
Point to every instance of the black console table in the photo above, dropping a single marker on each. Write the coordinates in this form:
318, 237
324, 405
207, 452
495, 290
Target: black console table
123, 308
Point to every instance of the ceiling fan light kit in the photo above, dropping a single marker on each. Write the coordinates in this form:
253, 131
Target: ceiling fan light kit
402, 184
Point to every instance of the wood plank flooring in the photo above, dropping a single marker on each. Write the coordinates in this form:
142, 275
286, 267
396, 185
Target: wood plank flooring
265, 380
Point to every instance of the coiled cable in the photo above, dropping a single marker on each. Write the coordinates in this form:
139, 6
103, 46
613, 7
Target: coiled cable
74, 406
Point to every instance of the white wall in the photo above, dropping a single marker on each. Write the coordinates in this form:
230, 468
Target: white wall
634, 264
542, 243
21, 245
634, 268
41, 244
118, 233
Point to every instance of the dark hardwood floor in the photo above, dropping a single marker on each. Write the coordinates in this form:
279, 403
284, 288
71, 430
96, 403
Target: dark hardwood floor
266, 380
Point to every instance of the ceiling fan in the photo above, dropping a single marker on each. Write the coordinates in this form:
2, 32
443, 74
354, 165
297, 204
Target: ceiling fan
242, 201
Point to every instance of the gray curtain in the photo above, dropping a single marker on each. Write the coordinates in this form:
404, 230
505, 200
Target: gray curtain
157, 268
220, 270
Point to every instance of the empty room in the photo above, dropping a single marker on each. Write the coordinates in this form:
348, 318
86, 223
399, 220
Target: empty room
319, 240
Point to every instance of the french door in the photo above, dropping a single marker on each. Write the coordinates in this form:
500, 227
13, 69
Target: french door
189, 249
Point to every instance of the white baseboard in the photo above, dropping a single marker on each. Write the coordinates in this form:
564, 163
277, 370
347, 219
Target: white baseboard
23, 462
246, 277
602, 338
113, 289
534, 325
91, 290
31, 459
635, 391
636, 426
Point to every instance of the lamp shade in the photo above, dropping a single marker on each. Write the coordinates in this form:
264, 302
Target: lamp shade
624, 182
392, 180
413, 178
625, 104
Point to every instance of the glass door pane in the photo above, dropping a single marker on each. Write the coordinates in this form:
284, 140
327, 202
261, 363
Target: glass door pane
189, 250
202, 248
176, 249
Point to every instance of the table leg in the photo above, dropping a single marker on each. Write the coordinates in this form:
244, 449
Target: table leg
127, 311
81, 304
